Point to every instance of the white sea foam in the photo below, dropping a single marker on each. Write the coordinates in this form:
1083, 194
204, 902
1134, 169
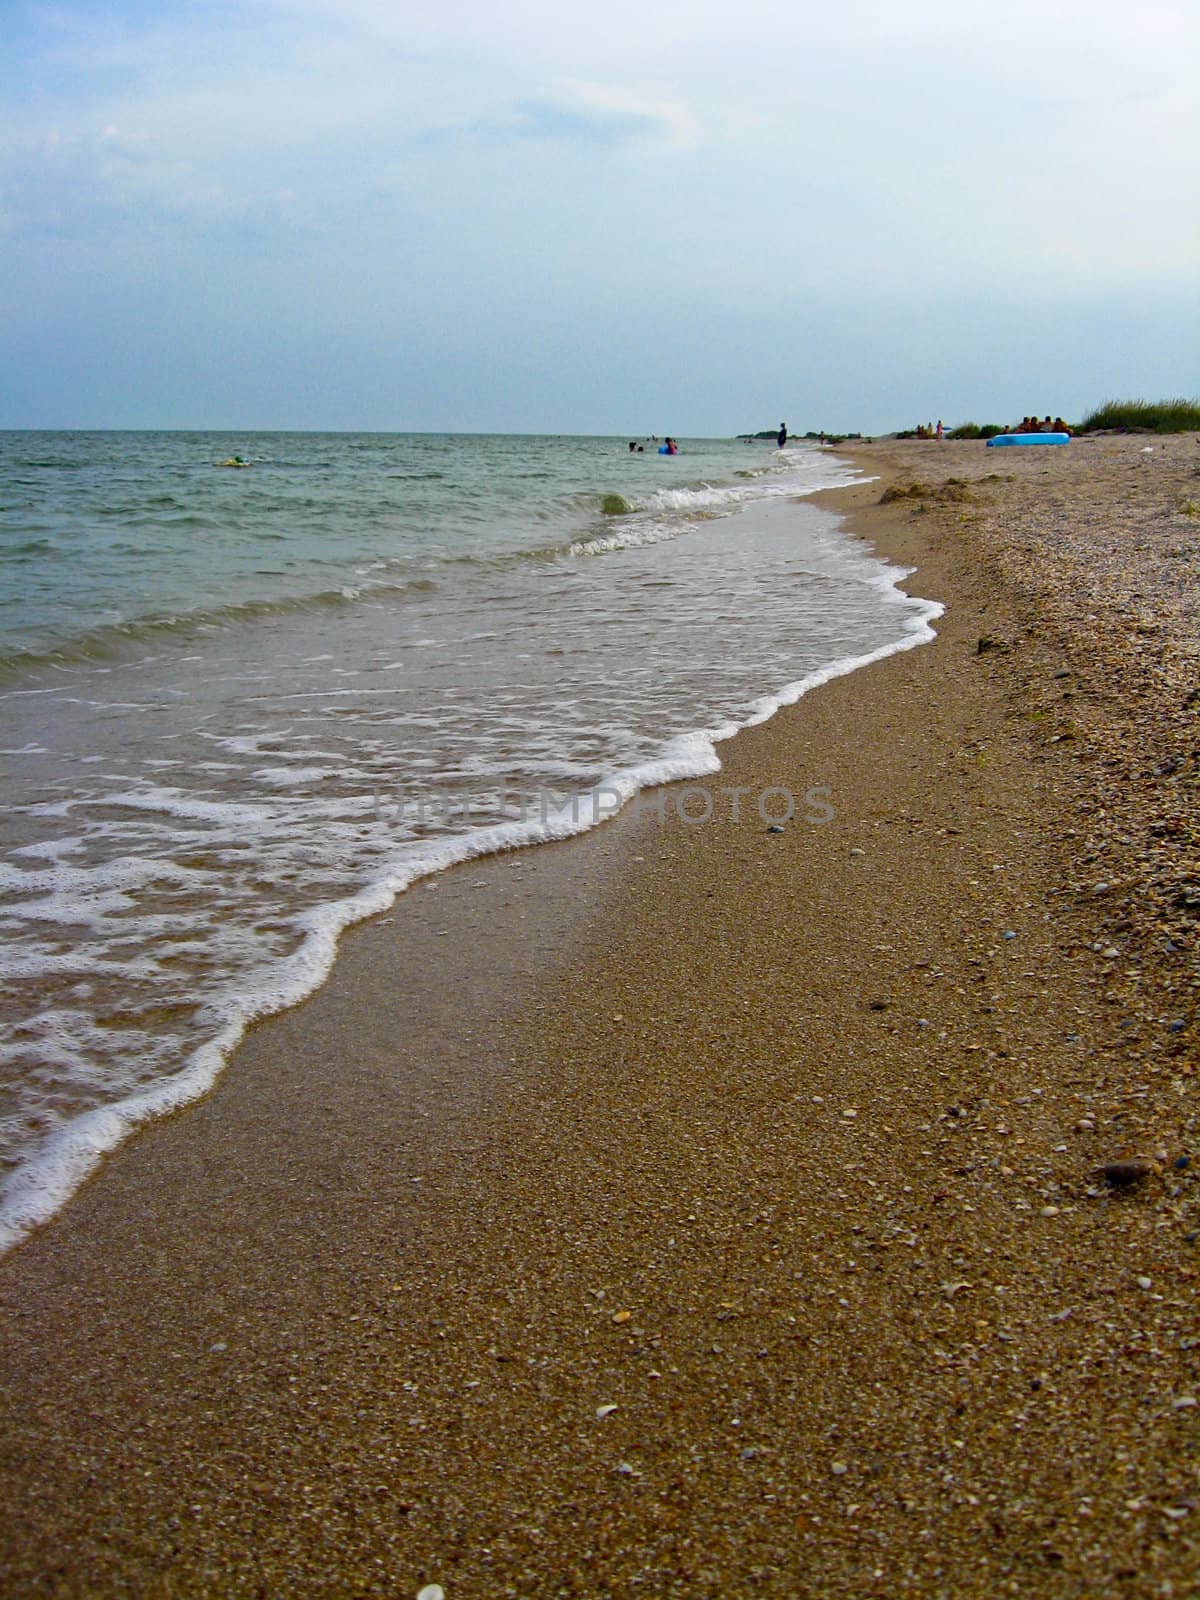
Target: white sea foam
121, 872
174, 803
917, 629
628, 536
291, 777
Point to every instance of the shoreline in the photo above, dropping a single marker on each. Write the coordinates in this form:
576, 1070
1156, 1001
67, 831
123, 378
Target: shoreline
900, 1351
38, 1192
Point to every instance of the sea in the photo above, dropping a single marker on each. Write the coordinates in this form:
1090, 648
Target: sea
243, 707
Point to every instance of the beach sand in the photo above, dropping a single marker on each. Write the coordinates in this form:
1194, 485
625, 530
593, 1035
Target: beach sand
699, 1210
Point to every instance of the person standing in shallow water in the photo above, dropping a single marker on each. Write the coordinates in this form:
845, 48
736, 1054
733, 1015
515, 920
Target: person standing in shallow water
782, 439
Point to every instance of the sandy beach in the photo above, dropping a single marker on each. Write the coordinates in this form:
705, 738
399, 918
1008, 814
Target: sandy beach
709, 1207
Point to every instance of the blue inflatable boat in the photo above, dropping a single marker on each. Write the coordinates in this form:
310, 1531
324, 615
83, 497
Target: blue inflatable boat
1030, 438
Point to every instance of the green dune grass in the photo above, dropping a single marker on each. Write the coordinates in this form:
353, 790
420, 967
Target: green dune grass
1144, 416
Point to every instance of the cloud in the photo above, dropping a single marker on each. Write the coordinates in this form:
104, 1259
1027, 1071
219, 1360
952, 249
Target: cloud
295, 165
575, 112
671, 117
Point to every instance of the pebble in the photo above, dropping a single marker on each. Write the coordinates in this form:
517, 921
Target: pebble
605, 1411
857, 851
1185, 1402
1122, 1174
839, 1469
431, 1591
622, 1316
1144, 1283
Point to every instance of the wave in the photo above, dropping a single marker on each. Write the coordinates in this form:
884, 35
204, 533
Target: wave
28, 547
620, 522
114, 641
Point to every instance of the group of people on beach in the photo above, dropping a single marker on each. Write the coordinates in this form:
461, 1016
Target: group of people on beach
931, 430
1032, 425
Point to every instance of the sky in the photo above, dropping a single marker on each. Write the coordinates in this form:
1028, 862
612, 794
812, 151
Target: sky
620, 218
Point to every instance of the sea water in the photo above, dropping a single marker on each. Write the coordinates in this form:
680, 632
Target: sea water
242, 708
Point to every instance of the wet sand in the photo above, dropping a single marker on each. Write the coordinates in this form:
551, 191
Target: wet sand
699, 1210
